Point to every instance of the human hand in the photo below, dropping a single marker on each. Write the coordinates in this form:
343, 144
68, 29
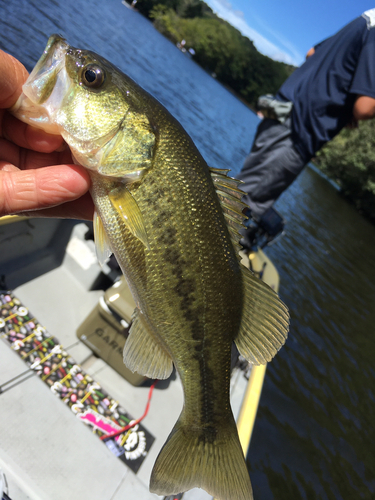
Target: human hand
37, 174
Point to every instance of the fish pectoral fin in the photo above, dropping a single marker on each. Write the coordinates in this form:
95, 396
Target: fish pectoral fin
194, 457
126, 206
102, 247
143, 353
265, 321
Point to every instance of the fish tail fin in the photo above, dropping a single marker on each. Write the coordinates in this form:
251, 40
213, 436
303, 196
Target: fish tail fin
210, 459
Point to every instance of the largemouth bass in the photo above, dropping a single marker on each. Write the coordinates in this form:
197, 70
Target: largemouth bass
172, 223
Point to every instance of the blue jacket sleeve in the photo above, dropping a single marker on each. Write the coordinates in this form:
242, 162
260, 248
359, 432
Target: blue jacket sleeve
363, 82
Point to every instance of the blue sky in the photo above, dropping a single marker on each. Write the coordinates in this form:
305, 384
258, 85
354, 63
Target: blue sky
286, 29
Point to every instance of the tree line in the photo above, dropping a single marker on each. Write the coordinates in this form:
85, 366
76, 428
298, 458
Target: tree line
349, 159
218, 47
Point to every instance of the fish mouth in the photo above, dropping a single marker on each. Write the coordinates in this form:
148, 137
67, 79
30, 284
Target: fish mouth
45, 87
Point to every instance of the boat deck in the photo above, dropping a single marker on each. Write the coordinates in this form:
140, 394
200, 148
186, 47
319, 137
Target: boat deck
46, 452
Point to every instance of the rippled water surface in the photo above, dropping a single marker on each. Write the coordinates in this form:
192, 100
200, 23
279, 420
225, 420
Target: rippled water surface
314, 436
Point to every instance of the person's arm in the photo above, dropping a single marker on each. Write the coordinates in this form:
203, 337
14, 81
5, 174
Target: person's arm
37, 177
310, 53
313, 49
364, 108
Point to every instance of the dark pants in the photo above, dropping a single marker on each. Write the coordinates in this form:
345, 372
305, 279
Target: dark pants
271, 166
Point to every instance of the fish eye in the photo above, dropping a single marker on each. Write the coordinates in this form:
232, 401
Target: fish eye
93, 76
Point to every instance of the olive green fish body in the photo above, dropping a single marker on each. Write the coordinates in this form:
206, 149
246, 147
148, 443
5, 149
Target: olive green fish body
190, 292
172, 223
188, 283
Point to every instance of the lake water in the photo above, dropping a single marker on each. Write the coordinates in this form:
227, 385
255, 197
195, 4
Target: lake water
314, 436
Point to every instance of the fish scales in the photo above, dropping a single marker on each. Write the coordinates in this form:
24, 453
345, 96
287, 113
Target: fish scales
175, 236
204, 323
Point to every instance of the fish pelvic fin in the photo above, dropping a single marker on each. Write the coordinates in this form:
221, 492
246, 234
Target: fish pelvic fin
125, 205
102, 245
265, 321
143, 353
193, 457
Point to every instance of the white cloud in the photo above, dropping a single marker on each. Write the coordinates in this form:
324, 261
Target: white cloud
236, 18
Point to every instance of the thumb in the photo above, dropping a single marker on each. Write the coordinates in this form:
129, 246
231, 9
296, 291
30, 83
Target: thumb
13, 75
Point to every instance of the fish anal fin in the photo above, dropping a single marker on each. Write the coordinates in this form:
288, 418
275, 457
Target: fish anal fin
265, 321
102, 247
126, 206
191, 459
143, 353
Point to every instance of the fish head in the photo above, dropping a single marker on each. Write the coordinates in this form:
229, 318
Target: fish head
95, 107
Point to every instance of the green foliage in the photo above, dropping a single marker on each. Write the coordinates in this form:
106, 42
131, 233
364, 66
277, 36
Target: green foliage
349, 159
220, 48
146, 6
167, 22
184, 8
193, 8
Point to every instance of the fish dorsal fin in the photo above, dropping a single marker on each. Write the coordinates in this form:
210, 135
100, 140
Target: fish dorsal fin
265, 321
265, 318
103, 250
143, 353
230, 199
126, 206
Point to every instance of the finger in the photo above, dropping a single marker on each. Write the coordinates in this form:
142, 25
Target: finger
29, 137
27, 190
7, 167
82, 209
27, 159
13, 75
